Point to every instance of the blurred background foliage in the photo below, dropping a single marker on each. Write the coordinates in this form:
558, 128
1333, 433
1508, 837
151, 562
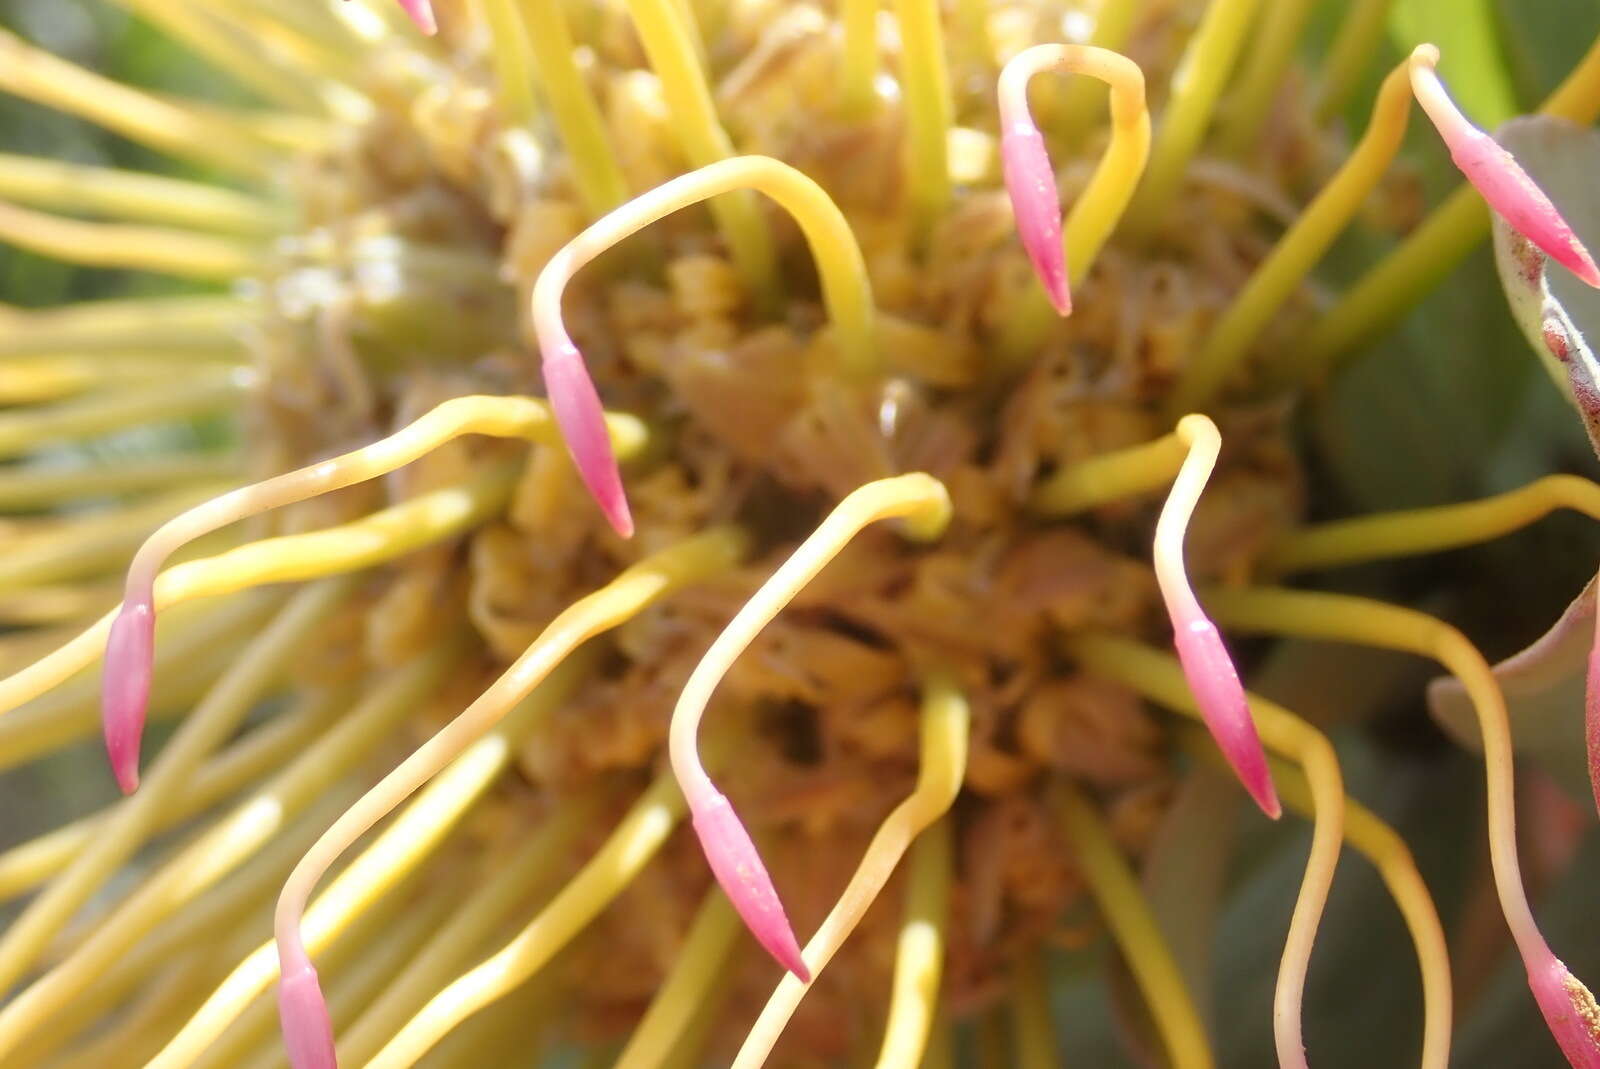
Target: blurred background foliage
1448, 406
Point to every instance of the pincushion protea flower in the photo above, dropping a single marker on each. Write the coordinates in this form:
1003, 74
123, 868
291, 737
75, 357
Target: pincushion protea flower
865, 497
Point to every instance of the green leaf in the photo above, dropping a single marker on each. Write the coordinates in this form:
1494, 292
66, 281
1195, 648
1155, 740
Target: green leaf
1473, 63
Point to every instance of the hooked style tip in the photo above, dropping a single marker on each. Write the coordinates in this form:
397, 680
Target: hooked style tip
125, 688
1216, 687
738, 868
1496, 175
421, 12
1569, 1011
581, 418
1036, 205
303, 1015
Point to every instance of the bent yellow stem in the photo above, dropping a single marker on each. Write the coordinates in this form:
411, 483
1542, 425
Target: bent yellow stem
165, 125
573, 107
696, 968
920, 950
1080, 107
1382, 845
1432, 250
1116, 891
671, 50
945, 718
1196, 84
846, 289
1429, 530
362, 543
637, 838
1160, 679
1292, 259
1343, 618
1108, 477
217, 717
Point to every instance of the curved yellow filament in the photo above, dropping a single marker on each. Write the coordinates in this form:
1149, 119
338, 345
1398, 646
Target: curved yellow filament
1428, 530
1116, 891
375, 539
173, 326
1159, 678
24, 486
1360, 37
1382, 845
1108, 477
920, 950
846, 289
1298, 251
945, 723
136, 197
930, 109
202, 389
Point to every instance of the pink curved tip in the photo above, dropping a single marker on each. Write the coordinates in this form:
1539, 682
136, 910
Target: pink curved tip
738, 868
303, 1015
1569, 1012
421, 12
125, 687
1036, 204
1508, 189
1215, 684
583, 427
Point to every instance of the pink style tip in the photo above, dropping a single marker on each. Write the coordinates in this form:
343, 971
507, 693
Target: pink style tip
303, 1015
1216, 687
421, 12
1569, 1012
1508, 189
738, 868
1591, 717
1036, 204
583, 427
125, 688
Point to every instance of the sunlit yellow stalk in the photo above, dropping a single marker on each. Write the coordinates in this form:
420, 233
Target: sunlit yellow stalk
1159, 678
508, 48
1428, 530
375, 539
1260, 83
920, 950
703, 957
1298, 251
671, 50
122, 245
1117, 893
1081, 104
925, 81
136, 197
946, 719
209, 37
1432, 250
181, 131
1108, 477
858, 22
1202, 72
573, 108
